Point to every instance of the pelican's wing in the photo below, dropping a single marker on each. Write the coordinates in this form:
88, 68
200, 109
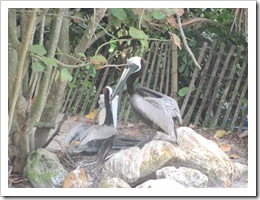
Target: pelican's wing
76, 132
168, 104
151, 113
97, 132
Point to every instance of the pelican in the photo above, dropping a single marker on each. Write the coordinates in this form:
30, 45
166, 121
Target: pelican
98, 138
153, 108
95, 138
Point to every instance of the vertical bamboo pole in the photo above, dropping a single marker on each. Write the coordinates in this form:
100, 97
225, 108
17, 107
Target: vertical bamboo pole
174, 72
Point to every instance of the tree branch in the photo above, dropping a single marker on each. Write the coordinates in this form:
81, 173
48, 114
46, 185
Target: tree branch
12, 29
40, 101
185, 43
24, 50
86, 38
56, 131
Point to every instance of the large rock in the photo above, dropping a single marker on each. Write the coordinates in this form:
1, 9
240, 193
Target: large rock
113, 183
205, 156
185, 176
43, 169
76, 179
135, 165
240, 175
161, 183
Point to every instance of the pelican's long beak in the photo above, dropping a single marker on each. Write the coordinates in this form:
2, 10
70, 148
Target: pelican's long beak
129, 69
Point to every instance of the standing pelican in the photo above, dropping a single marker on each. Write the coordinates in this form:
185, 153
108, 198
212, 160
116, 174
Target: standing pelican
153, 108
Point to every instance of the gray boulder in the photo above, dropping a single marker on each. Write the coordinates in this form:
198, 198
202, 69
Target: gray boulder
161, 183
43, 169
240, 175
135, 165
205, 156
113, 183
186, 176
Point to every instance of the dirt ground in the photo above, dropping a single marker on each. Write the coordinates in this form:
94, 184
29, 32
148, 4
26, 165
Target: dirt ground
237, 147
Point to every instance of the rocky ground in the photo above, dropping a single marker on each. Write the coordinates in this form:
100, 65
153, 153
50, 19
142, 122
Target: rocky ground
234, 146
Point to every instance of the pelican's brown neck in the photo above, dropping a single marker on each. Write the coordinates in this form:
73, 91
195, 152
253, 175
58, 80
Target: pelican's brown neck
131, 79
109, 115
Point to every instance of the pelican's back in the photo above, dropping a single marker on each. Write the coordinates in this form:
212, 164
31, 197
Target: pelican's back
168, 104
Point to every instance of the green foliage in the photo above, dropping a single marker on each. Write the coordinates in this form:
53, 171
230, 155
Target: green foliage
82, 55
37, 49
38, 66
39, 61
65, 75
158, 15
138, 34
98, 59
119, 13
49, 61
183, 91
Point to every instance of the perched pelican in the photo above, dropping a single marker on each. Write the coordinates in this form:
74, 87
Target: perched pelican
153, 108
95, 138
98, 138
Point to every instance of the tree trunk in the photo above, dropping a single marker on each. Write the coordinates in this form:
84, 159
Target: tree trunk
12, 63
58, 87
21, 137
41, 99
18, 103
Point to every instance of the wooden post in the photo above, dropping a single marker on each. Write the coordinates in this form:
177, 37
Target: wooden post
174, 88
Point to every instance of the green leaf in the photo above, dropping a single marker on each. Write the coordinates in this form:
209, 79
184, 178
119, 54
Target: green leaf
138, 34
115, 22
112, 46
37, 49
38, 66
65, 75
144, 43
50, 61
187, 72
244, 101
183, 91
81, 55
98, 59
79, 15
119, 13
184, 58
182, 68
71, 85
158, 15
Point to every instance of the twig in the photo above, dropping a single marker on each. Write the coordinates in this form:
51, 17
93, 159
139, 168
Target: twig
116, 66
105, 31
82, 64
65, 54
64, 151
15, 181
126, 40
140, 19
56, 131
186, 45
